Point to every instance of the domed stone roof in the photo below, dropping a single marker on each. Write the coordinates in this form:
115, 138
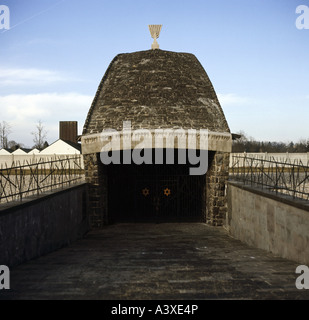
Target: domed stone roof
155, 89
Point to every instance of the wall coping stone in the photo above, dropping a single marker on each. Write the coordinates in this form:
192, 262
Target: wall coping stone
8, 207
289, 200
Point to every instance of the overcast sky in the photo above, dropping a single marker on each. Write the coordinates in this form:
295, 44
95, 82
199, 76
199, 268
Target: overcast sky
56, 52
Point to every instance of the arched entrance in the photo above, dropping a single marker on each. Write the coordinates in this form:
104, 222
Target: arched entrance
155, 193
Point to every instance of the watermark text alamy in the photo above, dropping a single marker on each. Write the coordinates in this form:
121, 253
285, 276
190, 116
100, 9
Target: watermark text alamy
4, 17
302, 21
137, 146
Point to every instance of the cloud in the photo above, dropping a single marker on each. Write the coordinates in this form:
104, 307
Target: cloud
231, 99
24, 111
22, 76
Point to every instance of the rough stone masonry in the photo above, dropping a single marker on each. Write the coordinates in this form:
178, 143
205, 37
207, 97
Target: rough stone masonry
157, 89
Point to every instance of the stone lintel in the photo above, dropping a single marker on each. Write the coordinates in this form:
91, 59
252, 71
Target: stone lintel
159, 138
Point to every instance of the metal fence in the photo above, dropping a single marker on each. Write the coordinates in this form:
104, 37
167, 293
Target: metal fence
284, 177
33, 178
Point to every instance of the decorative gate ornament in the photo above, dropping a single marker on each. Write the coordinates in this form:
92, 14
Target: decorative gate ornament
146, 192
167, 192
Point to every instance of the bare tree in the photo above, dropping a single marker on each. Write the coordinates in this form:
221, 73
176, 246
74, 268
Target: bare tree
249, 144
13, 145
5, 130
39, 136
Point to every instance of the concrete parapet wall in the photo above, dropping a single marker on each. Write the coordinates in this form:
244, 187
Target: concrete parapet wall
278, 224
40, 225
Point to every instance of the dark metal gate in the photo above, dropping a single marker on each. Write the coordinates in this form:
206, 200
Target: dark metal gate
156, 199
155, 193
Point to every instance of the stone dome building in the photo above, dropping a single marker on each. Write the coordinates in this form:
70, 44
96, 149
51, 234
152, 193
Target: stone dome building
155, 90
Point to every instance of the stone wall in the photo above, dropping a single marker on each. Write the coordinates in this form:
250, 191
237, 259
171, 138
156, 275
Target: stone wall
97, 181
216, 182
278, 224
40, 225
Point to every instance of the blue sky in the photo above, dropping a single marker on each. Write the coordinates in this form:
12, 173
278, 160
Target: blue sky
56, 52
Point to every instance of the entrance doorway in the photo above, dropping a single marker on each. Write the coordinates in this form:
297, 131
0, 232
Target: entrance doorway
155, 193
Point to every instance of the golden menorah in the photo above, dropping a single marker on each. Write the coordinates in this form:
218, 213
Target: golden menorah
155, 30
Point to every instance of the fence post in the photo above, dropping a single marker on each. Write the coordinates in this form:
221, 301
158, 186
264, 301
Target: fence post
293, 185
262, 174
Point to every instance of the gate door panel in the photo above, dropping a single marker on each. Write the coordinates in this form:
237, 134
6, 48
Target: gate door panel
151, 199
155, 193
156, 200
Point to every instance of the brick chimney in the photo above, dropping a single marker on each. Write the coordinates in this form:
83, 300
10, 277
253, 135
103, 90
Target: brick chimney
68, 131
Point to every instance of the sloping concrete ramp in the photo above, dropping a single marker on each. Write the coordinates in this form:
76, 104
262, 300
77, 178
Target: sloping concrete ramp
157, 262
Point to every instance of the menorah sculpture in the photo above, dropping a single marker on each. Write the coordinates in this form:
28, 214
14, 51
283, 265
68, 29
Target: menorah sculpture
155, 30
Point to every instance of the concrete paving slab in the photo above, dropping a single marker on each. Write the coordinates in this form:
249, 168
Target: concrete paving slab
156, 262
